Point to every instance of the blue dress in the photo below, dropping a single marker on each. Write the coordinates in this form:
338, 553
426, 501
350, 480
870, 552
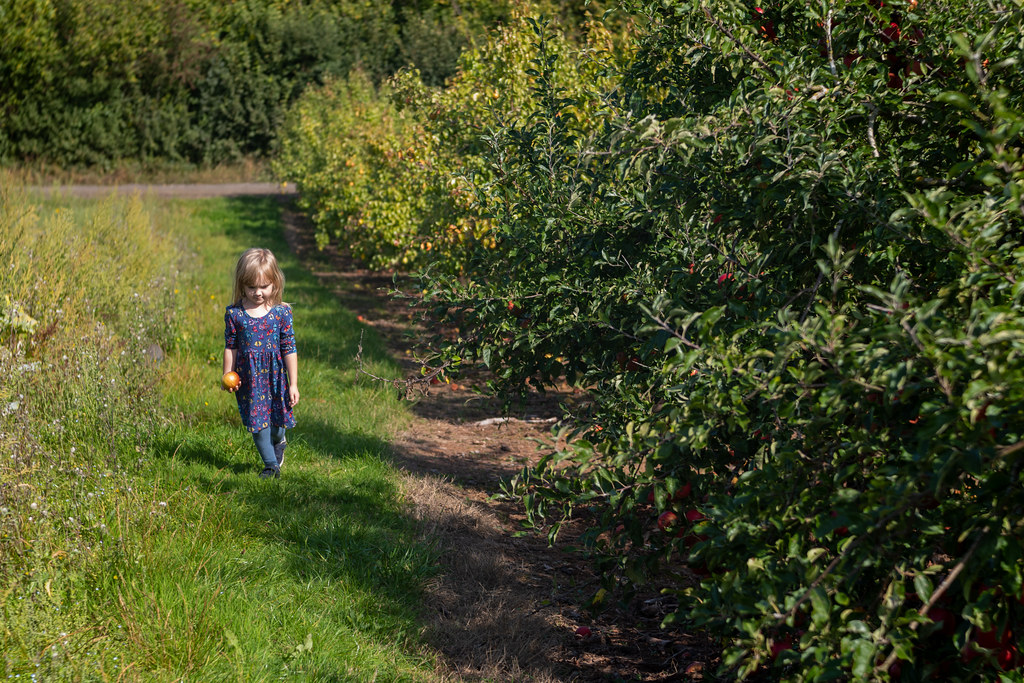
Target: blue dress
260, 345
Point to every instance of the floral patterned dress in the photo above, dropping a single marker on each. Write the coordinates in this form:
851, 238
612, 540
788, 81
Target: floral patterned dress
260, 345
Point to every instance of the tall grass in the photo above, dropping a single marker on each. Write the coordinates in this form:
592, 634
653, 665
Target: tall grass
136, 541
127, 171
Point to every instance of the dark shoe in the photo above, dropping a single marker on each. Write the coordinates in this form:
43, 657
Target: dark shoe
279, 452
270, 473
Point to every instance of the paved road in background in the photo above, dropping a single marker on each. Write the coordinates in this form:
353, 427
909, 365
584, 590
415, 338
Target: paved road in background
182, 191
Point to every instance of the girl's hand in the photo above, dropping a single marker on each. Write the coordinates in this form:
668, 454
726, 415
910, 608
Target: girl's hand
293, 395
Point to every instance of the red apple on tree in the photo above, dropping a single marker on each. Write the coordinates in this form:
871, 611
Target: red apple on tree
781, 645
693, 539
840, 531
1002, 646
891, 33
667, 520
941, 615
913, 68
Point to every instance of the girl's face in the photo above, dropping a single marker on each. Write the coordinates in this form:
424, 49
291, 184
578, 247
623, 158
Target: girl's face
258, 293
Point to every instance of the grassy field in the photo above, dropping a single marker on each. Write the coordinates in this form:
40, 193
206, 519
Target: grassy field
248, 170
136, 541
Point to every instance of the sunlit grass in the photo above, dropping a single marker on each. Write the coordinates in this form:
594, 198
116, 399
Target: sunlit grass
156, 171
137, 540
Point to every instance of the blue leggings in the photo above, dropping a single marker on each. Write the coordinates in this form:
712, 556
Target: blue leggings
265, 440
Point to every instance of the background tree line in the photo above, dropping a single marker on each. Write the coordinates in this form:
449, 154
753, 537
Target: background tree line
86, 83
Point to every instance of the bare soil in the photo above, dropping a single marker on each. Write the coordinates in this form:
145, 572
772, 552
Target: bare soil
505, 606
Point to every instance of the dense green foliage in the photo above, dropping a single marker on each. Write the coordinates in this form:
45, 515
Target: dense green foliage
785, 259
385, 171
136, 540
195, 81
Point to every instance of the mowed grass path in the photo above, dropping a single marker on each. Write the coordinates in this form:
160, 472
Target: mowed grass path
212, 574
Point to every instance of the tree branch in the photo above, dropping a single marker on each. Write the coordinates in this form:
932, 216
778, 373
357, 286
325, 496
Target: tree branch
872, 117
938, 593
750, 53
409, 387
828, 42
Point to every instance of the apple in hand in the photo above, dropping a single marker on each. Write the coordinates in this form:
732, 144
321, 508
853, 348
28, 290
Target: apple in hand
231, 381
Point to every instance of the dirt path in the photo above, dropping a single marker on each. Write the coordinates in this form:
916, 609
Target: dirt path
505, 606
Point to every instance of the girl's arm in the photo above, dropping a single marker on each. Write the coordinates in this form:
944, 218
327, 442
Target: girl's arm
291, 364
230, 341
291, 358
229, 365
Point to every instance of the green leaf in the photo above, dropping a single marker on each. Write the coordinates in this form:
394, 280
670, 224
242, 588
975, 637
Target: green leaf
863, 659
814, 553
923, 586
957, 99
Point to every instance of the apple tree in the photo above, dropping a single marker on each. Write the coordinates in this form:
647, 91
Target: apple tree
785, 260
384, 170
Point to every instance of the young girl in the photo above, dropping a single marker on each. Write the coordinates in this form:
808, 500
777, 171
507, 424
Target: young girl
259, 344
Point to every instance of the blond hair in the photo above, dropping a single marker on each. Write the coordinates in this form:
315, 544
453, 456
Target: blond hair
254, 266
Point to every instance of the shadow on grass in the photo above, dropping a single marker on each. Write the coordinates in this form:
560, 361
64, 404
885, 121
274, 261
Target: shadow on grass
201, 452
339, 526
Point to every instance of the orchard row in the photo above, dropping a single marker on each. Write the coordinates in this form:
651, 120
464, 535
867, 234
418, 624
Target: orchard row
781, 247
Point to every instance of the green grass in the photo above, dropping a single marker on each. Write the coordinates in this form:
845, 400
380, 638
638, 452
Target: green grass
170, 559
